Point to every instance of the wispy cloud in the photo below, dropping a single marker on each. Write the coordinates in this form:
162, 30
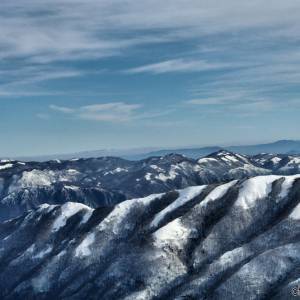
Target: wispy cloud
246, 102
66, 31
93, 29
23, 81
106, 112
62, 109
43, 116
179, 65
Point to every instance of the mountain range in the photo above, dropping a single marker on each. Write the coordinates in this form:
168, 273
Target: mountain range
107, 181
235, 240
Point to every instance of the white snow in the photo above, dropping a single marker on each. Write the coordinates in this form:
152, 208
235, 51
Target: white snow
72, 171
87, 216
46, 207
148, 176
287, 184
185, 195
82, 249
296, 160
218, 192
43, 253
155, 167
174, 232
6, 166
121, 210
162, 177
255, 189
250, 169
30, 249
295, 214
117, 170
71, 187
275, 160
171, 175
242, 158
230, 158
293, 163
206, 159
36, 178
68, 210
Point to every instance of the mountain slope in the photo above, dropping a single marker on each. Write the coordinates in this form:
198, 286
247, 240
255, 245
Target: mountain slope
238, 240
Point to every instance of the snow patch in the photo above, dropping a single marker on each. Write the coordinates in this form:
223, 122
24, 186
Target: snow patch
121, 210
87, 216
275, 160
218, 192
185, 196
6, 166
174, 233
155, 167
68, 210
115, 171
172, 174
255, 189
43, 253
287, 185
71, 187
5, 160
148, 176
206, 159
83, 249
295, 215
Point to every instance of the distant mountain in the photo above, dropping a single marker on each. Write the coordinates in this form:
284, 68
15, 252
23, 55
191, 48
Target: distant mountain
188, 152
279, 147
133, 153
106, 181
238, 240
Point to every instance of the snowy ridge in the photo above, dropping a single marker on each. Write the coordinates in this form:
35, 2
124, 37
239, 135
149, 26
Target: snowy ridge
227, 241
107, 181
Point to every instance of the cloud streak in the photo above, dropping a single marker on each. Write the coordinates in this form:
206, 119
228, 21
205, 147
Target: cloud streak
107, 112
67, 30
179, 65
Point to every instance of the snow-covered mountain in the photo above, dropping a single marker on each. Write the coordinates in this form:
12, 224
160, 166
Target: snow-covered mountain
237, 240
280, 164
107, 181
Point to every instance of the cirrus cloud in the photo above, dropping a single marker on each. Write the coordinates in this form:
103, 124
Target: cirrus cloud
106, 112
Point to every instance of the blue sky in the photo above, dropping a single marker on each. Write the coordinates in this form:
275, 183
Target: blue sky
84, 75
